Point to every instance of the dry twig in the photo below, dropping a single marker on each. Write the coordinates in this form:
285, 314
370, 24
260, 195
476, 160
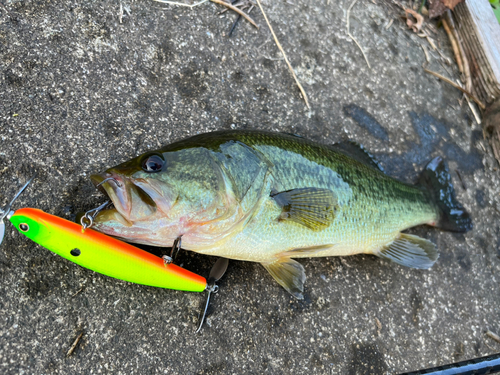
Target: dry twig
284, 55
453, 41
443, 78
350, 35
237, 10
233, 8
75, 343
472, 107
458, 49
431, 42
426, 53
493, 336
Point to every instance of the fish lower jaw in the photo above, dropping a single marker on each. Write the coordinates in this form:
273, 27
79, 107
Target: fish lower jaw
112, 215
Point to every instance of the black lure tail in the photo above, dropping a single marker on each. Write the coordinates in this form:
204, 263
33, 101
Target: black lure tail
436, 178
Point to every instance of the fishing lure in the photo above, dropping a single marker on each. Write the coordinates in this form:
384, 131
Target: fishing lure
103, 254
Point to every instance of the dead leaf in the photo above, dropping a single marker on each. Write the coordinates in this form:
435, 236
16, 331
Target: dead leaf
438, 7
450, 4
415, 26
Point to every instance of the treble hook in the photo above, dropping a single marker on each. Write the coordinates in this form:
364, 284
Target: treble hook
112, 179
217, 271
6, 212
175, 248
87, 220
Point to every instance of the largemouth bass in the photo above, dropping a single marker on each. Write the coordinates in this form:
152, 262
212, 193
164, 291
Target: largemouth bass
271, 197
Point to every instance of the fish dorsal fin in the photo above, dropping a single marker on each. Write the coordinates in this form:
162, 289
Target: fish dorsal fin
357, 152
410, 251
312, 207
289, 274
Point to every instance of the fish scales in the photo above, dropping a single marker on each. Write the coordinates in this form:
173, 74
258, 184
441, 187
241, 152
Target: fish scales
373, 208
270, 197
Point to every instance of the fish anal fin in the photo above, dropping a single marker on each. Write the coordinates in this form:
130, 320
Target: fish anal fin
289, 274
311, 207
410, 251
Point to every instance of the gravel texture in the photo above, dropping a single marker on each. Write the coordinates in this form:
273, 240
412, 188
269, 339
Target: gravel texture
85, 85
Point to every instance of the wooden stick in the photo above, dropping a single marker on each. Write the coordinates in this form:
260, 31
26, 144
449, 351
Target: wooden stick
304, 95
443, 78
237, 10
75, 343
449, 26
426, 53
453, 41
493, 336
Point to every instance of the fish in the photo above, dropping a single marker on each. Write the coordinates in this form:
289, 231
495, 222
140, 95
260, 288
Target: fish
271, 198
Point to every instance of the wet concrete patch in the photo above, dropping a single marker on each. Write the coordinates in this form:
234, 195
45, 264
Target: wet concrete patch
434, 134
366, 120
366, 359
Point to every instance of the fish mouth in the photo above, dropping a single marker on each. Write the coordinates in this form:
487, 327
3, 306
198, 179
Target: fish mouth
131, 200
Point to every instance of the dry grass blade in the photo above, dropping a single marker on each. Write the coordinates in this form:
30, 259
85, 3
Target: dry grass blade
348, 15
237, 10
181, 4
472, 107
284, 55
443, 78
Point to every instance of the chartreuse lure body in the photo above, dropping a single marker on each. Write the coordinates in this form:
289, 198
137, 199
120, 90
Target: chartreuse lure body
101, 253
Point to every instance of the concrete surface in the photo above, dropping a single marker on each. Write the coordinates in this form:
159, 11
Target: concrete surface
81, 91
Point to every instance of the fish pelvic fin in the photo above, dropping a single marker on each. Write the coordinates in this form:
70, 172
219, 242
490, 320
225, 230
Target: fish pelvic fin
410, 251
311, 207
452, 216
289, 274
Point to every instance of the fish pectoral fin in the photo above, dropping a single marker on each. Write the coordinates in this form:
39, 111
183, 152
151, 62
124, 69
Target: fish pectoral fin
311, 207
410, 251
289, 274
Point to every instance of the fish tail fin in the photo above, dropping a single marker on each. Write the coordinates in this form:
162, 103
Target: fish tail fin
452, 216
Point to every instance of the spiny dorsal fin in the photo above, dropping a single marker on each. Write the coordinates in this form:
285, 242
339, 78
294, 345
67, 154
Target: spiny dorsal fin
357, 152
289, 274
410, 251
312, 207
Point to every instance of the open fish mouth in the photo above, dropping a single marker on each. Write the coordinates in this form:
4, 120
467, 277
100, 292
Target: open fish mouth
131, 200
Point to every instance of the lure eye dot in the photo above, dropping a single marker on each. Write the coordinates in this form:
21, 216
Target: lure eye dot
24, 227
75, 252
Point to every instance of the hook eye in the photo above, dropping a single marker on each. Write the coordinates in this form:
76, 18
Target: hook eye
24, 227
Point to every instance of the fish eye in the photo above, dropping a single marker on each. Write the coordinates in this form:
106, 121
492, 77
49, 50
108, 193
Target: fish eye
153, 164
24, 227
